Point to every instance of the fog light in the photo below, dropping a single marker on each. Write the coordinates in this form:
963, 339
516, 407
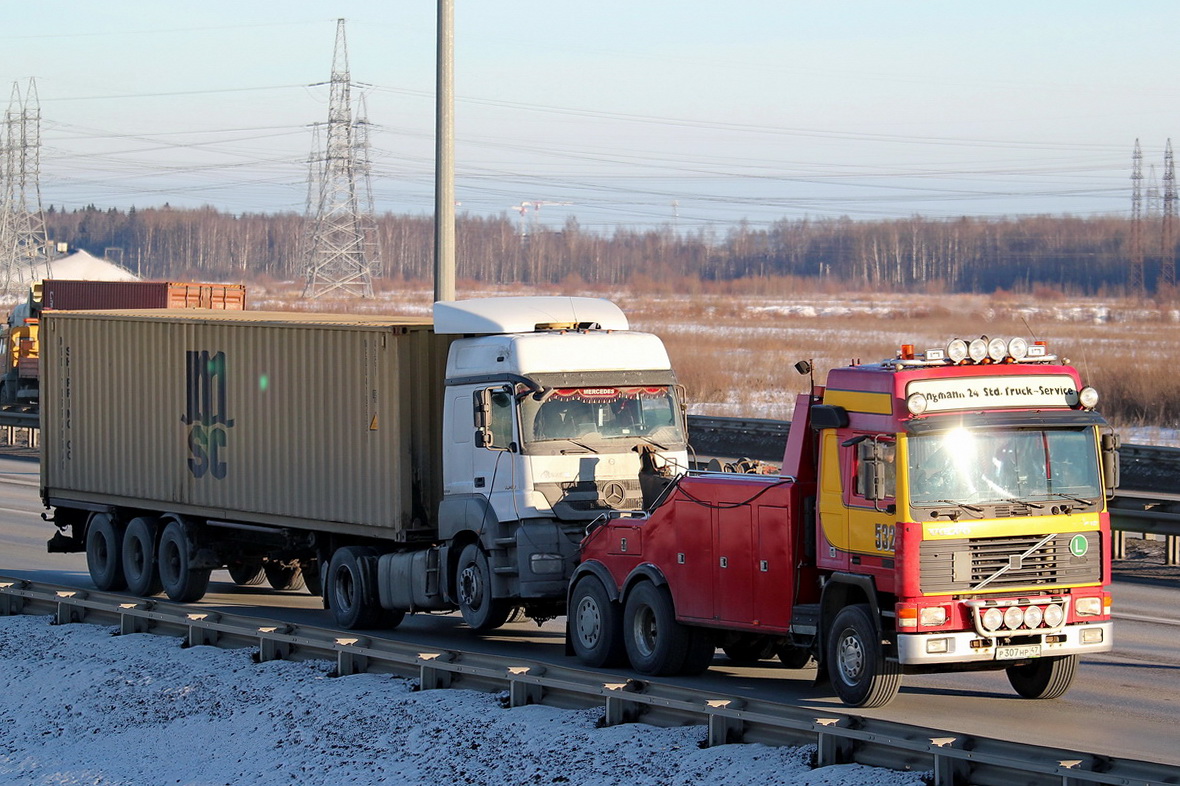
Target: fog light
546, 564
1017, 348
938, 646
1033, 616
956, 350
1054, 615
1091, 635
933, 616
1013, 617
1088, 397
916, 403
997, 349
992, 619
1088, 607
977, 349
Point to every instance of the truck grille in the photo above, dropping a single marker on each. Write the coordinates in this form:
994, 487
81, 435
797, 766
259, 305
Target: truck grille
587, 499
962, 565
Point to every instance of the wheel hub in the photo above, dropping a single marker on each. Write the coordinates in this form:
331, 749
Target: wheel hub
851, 658
470, 587
589, 622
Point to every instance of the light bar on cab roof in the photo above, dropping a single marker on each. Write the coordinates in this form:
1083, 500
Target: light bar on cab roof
979, 351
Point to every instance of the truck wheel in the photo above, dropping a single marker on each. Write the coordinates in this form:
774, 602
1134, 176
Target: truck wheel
596, 625
480, 610
283, 577
1043, 678
861, 675
746, 650
793, 657
699, 655
246, 572
352, 590
182, 583
139, 557
310, 568
656, 643
104, 549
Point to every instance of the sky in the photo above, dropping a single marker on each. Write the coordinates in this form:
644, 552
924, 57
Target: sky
83, 706
615, 114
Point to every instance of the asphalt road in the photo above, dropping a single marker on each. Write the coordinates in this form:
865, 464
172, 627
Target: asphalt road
1125, 703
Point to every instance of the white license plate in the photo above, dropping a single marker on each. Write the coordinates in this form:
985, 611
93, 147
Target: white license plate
1018, 652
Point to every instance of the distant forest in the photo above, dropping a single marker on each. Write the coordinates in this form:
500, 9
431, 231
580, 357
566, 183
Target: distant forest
1077, 255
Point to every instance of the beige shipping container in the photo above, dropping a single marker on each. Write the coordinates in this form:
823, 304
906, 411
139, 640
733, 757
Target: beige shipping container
312, 421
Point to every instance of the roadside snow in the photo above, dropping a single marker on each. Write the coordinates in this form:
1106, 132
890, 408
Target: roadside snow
84, 706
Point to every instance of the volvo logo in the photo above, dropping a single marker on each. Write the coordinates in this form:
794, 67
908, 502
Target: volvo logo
614, 493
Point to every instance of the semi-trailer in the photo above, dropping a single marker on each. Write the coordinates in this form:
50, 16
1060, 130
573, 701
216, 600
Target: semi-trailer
394, 465
938, 511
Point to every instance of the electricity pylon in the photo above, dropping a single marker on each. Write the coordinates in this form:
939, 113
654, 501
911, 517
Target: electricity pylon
24, 248
340, 253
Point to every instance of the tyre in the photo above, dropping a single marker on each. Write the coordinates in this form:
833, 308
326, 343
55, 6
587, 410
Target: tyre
861, 674
310, 568
595, 625
104, 550
473, 585
282, 576
702, 646
247, 572
746, 650
1043, 678
656, 643
793, 657
351, 590
139, 557
182, 583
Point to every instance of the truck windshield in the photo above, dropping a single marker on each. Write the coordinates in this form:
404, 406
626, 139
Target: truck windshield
963, 466
603, 418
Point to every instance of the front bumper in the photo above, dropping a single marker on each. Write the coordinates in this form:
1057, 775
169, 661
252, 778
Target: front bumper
914, 649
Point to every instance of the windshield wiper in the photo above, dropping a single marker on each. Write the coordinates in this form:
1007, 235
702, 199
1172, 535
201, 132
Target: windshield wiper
582, 445
1079, 500
1029, 503
963, 505
652, 441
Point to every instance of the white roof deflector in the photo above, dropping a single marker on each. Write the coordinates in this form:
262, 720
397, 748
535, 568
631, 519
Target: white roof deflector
525, 314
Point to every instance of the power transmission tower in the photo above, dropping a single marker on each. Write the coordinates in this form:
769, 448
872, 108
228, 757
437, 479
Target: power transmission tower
1168, 239
24, 249
1135, 279
339, 198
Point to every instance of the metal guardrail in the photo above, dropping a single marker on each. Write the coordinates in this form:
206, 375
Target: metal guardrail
954, 759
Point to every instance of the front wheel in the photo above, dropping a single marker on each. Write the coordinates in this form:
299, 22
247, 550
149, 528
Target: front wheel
480, 610
595, 625
1043, 678
861, 674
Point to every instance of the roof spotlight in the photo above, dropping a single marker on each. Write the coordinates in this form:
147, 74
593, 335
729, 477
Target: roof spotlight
997, 349
1018, 348
977, 349
956, 350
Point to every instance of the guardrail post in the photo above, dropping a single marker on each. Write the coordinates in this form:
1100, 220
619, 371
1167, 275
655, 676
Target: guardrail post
431, 677
520, 692
1173, 549
724, 729
1118, 544
350, 662
67, 611
199, 634
271, 648
949, 770
618, 709
831, 747
134, 623
9, 603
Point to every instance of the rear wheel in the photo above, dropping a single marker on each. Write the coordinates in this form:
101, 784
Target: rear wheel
1043, 678
480, 610
656, 643
861, 674
746, 650
104, 549
596, 625
283, 576
247, 572
139, 557
793, 657
182, 583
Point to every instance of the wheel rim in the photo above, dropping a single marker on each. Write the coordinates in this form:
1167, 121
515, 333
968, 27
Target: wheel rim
135, 565
589, 622
644, 628
471, 587
850, 658
170, 562
345, 589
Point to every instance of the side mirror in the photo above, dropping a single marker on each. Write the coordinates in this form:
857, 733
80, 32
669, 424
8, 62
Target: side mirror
1110, 462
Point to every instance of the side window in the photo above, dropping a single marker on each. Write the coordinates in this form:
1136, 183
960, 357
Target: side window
499, 419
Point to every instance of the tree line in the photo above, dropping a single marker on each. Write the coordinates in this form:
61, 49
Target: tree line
1073, 254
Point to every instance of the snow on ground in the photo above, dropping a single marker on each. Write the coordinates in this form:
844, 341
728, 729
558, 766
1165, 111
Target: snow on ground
81, 705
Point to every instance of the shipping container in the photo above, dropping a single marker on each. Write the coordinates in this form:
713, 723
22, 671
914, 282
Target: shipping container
64, 295
310, 421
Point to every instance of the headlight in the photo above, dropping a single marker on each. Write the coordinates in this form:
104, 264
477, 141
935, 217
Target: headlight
1054, 615
932, 616
917, 403
1088, 397
997, 349
1033, 616
1013, 617
992, 619
957, 350
977, 349
1018, 348
1088, 607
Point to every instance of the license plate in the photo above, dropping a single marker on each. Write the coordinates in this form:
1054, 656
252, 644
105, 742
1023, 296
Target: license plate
1019, 652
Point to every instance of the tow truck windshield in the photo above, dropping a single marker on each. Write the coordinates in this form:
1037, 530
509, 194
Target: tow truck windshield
602, 419
1027, 466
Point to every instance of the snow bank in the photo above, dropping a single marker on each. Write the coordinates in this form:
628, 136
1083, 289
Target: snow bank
83, 706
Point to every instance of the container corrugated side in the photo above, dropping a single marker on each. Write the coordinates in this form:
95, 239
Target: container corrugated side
306, 420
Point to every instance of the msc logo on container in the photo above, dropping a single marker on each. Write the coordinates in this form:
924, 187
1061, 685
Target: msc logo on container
206, 413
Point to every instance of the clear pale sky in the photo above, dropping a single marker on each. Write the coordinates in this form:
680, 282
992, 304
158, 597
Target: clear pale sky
636, 113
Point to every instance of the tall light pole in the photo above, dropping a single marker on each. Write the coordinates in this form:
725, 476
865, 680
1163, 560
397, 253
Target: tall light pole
444, 155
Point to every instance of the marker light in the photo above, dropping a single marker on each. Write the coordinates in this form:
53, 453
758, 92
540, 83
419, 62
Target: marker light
977, 349
1088, 397
957, 350
1017, 348
997, 349
917, 403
